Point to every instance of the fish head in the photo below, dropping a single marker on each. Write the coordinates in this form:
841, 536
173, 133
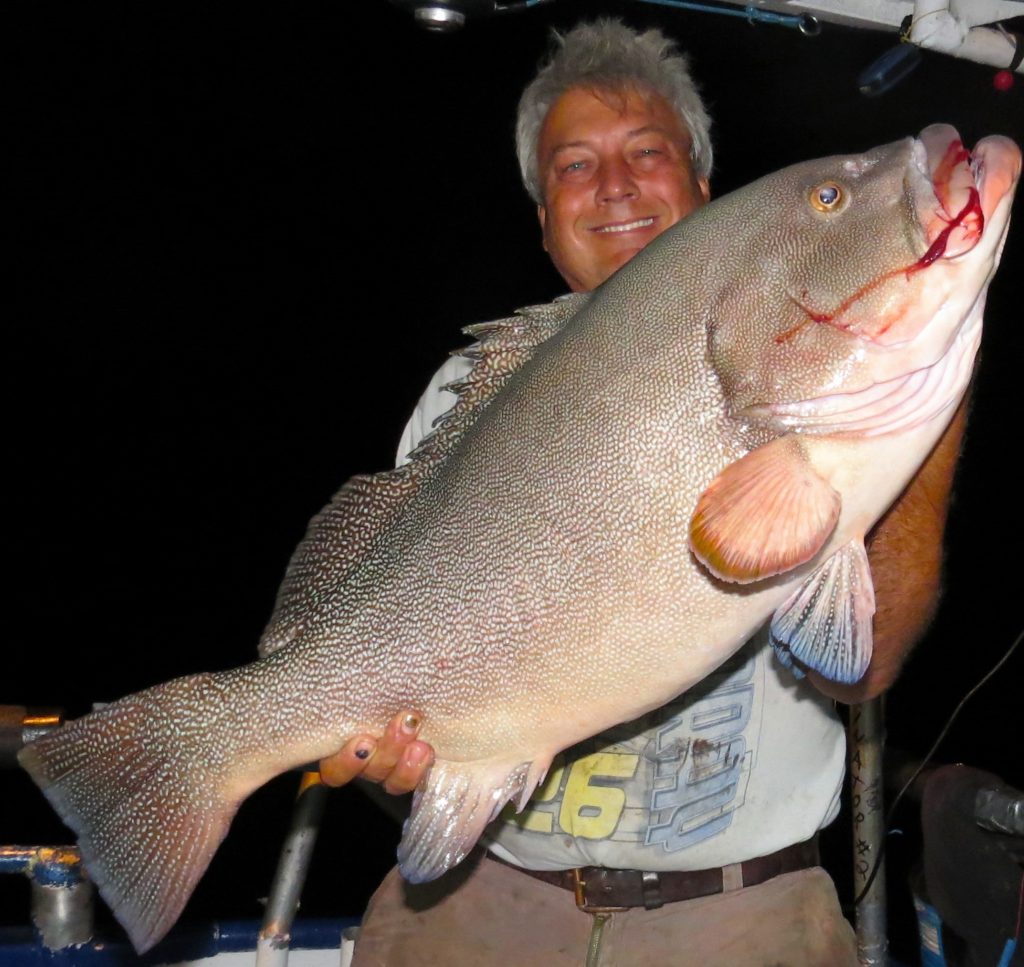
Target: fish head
862, 273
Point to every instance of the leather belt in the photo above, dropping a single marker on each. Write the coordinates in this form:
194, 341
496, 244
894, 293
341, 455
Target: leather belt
598, 889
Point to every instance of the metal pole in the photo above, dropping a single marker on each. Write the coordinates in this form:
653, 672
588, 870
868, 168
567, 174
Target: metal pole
62, 903
20, 725
866, 735
296, 854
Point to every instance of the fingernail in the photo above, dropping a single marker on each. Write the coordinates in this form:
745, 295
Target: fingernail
363, 750
411, 724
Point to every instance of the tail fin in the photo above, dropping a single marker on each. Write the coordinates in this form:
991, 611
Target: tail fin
146, 788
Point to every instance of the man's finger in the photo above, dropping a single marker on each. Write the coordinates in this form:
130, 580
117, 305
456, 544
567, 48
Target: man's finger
349, 762
392, 745
410, 768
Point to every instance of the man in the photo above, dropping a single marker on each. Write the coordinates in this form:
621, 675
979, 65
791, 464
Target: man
696, 824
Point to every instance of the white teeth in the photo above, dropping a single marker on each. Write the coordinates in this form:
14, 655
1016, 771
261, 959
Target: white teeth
629, 226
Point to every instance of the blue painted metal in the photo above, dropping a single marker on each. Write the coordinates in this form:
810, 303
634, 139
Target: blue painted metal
19, 947
750, 14
929, 928
47, 865
16, 859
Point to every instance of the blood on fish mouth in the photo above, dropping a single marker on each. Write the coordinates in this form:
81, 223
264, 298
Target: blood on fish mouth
938, 247
956, 169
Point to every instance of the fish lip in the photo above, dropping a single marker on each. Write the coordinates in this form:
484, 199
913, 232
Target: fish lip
956, 191
996, 164
613, 228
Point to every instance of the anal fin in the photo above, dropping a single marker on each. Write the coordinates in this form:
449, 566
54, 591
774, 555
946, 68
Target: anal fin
450, 812
826, 623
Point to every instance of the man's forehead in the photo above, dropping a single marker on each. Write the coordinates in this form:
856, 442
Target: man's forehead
584, 113
631, 133
625, 95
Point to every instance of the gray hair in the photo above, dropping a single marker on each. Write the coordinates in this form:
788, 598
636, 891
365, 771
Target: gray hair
607, 54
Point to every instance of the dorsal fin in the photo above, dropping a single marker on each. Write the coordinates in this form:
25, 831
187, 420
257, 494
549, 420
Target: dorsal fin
342, 533
502, 347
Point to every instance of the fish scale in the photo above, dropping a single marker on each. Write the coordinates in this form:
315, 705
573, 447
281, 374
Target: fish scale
630, 484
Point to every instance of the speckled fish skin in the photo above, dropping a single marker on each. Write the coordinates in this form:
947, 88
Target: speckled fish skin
537, 585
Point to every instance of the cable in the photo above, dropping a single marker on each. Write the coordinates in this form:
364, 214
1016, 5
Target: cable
931, 752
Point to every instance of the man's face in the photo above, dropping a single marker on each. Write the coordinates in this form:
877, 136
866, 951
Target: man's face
615, 172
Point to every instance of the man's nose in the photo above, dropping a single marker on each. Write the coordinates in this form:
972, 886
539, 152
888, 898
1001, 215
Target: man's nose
616, 182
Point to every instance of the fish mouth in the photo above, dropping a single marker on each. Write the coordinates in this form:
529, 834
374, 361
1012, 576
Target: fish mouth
959, 190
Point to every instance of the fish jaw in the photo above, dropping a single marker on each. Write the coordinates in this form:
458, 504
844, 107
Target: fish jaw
968, 187
962, 202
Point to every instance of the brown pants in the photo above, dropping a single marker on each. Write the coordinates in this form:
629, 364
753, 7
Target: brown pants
485, 913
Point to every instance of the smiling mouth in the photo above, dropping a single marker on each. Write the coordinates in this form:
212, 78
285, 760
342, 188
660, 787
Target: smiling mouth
626, 226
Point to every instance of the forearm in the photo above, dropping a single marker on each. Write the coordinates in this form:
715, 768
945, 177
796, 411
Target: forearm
905, 551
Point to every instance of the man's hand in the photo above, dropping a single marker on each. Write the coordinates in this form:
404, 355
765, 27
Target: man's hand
397, 759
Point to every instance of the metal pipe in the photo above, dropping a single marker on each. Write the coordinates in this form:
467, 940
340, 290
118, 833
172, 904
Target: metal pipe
296, 855
20, 725
62, 897
866, 740
803, 22
1000, 811
953, 28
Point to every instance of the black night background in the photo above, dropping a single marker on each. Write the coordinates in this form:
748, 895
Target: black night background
247, 234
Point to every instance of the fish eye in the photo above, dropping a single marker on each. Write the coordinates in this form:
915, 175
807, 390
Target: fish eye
826, 197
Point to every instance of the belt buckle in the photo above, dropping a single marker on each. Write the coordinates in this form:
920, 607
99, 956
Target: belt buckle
579, 893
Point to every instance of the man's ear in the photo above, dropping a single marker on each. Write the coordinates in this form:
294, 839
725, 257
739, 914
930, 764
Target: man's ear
542, 218
705, 188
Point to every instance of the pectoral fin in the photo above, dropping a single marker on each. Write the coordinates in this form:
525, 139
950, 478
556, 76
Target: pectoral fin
449, 814
826, 623
764, 514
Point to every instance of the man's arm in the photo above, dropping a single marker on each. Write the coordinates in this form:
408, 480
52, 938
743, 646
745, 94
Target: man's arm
905, 552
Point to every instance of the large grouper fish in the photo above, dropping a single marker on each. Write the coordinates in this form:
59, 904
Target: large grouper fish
632, 481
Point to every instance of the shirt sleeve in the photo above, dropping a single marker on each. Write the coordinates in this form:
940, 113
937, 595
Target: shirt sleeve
433, 404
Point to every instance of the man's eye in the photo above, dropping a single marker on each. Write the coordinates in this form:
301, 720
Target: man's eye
574, 166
